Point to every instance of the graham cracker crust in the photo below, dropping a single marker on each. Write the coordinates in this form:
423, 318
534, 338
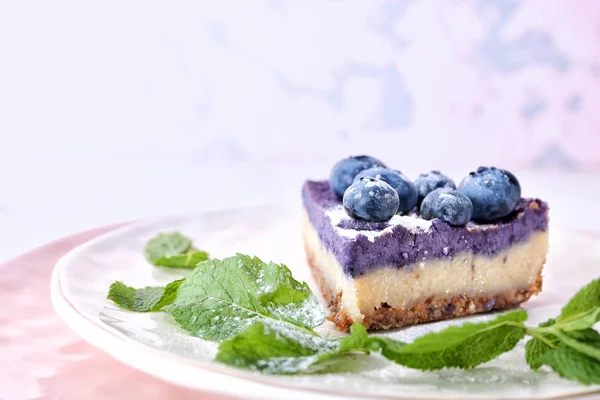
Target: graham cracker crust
434, 308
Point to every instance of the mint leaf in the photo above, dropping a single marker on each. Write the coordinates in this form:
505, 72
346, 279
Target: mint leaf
145, 299
536, 347
221, 298
188, 260
274, 349
585, 341
573, 365
356, 340
167, 245
573, 355
390, 348
279, 349
539, 344
590, 349
589, 336
173, 250
584, 320
583, 310
465, 346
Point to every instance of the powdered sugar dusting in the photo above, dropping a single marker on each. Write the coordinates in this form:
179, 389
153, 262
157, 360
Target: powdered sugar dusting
294, 364
412, 223
308, 313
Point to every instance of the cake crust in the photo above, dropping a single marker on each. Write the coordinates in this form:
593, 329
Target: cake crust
434, 308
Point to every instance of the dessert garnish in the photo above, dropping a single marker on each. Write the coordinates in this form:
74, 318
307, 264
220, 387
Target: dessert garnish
487, 194
172, 249
430, 181
371, 199
494, 192
449, 205
344, 171
407, 193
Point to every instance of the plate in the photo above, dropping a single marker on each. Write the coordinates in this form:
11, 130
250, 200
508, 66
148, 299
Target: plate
152, 343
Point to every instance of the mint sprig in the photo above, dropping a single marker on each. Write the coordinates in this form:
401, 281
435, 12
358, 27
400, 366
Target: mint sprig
463, 346
569, 339
173, 250
265, 319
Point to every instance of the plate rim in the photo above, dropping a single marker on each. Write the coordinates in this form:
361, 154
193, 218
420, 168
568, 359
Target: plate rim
129, 351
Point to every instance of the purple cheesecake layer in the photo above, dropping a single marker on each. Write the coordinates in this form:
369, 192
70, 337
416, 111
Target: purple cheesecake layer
402, 247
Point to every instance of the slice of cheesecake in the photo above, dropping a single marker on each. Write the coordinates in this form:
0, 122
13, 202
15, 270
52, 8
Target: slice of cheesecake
409, 270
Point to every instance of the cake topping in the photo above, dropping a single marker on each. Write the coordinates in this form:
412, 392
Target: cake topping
485, 195
494, 192
407, 193
448, 205
427, 183
346, 236
371, 199
344, 171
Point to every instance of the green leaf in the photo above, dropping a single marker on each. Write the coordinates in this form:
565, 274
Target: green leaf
589, 336
390, 348
582, 321
544, 341
356, 340
145, 299
590, 349
539, 344
167, 245
573, 365
173, 250
221, 298
279, 349
465, 346
537, 347
188, 260
583, 310
572, 329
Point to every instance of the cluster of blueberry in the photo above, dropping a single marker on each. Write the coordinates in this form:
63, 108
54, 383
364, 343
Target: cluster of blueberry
370, 191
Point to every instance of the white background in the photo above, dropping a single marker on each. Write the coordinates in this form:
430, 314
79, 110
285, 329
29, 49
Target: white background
113, 111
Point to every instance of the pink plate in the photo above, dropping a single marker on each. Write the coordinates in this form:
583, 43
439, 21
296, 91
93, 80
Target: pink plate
43, 359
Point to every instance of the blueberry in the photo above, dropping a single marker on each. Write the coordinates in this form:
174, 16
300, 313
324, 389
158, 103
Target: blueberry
494, 192
344, 171
449, 205
401, 184
430, 181
371, 199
